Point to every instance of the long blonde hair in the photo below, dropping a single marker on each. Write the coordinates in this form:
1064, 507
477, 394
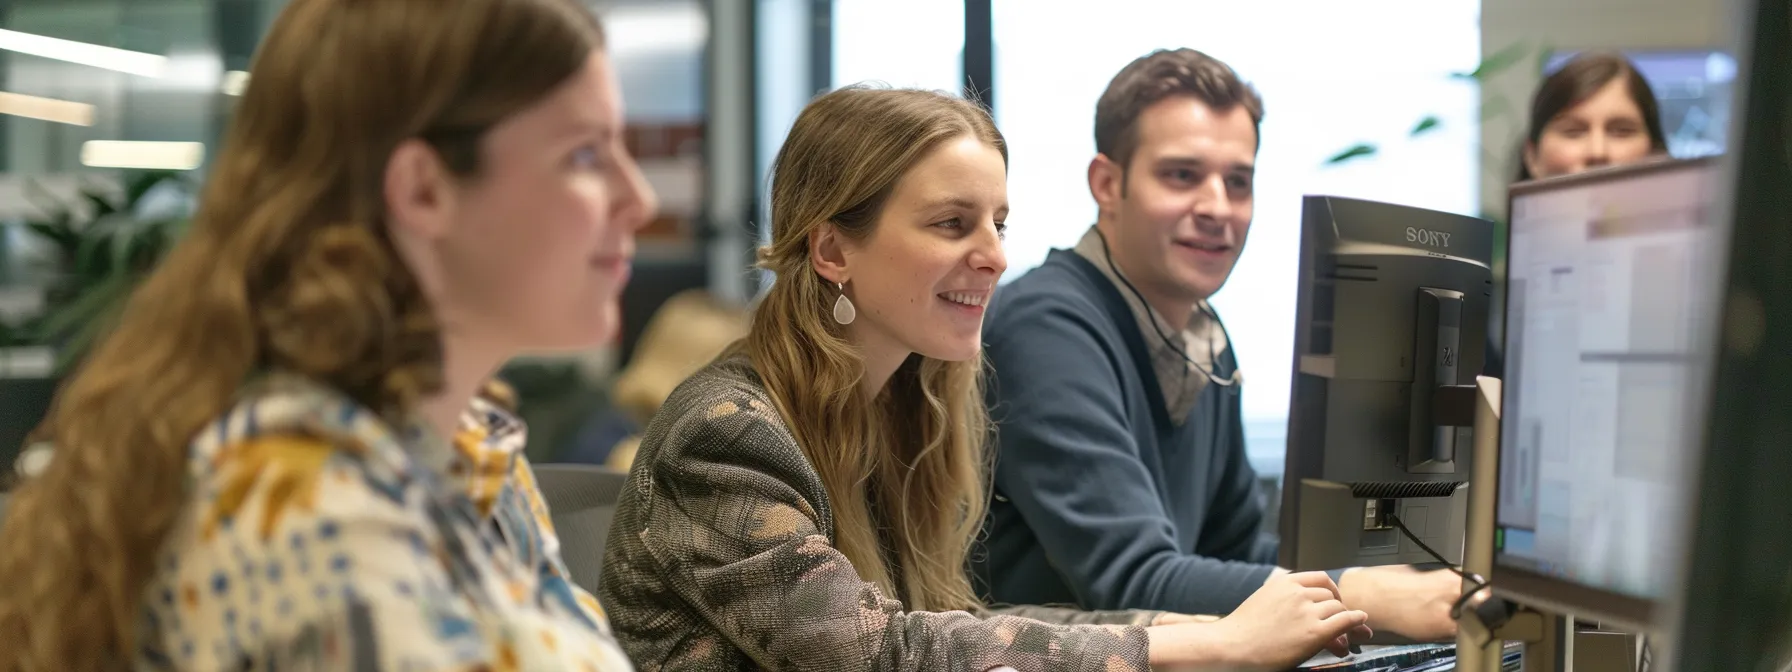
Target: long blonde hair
912, 461
288, 266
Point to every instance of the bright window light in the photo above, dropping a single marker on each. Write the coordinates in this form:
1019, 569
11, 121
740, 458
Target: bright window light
643, 31
915, 44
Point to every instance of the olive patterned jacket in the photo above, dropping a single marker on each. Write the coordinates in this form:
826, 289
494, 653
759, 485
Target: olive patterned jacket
720, 557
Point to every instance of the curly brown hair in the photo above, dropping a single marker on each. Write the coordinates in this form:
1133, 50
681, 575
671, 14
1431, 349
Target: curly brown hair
288, 267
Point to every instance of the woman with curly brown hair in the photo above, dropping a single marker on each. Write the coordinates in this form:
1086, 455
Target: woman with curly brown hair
254, 469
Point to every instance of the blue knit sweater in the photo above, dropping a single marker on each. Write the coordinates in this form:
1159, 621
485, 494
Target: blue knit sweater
1102, 501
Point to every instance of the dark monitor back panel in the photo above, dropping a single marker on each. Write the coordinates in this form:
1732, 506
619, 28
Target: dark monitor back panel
1370, 274
1391, 316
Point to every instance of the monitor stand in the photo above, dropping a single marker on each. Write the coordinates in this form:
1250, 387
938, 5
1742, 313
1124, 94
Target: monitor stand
1547, 645
1551, 643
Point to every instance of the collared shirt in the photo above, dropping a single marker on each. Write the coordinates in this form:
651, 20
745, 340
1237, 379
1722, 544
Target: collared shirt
491, 468
317, 536
1201, 339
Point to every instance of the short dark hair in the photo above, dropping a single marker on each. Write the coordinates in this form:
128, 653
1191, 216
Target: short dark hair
1580, 78
1162, 74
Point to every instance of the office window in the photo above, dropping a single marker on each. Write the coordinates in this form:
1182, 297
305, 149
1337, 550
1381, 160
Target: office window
1331, 74
657, 50
916, 44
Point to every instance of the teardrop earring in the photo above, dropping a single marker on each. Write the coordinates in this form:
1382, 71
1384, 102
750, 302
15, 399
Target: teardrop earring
844, 312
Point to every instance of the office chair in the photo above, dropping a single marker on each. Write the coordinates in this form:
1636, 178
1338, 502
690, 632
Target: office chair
581, 502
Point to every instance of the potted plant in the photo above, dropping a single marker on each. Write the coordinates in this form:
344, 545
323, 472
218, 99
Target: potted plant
94, 260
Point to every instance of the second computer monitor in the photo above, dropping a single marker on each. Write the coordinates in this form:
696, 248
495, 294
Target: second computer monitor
1612, 291
1391, 323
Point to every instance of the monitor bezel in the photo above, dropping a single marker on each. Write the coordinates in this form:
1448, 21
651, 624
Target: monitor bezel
1523, 585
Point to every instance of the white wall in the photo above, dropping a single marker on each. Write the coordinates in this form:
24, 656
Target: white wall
1580, 24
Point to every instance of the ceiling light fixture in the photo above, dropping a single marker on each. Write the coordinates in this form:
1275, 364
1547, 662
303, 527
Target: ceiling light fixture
142, 155
47, 109
110, 58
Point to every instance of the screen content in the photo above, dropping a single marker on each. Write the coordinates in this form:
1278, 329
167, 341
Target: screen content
1611, 288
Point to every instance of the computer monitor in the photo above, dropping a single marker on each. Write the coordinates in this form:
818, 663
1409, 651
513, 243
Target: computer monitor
1612, 281
1391, 327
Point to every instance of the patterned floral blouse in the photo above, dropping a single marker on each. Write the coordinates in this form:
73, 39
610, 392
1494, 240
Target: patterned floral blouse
319, 537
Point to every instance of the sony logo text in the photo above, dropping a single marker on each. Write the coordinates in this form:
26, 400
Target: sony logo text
1427, 237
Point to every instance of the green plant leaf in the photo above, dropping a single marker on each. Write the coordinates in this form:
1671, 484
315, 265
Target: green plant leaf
105, 259
1429, 123
68, 318
129, 245
93, 261
142, 247
36, 193
138, 251
140, 184
102, 206
1543, 52
77, 324
1496, 62
1357, 151
58, 234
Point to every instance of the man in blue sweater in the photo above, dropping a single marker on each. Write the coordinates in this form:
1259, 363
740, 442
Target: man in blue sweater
1121, 479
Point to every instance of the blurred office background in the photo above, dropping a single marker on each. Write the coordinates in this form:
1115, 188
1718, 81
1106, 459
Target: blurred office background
1419, 102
